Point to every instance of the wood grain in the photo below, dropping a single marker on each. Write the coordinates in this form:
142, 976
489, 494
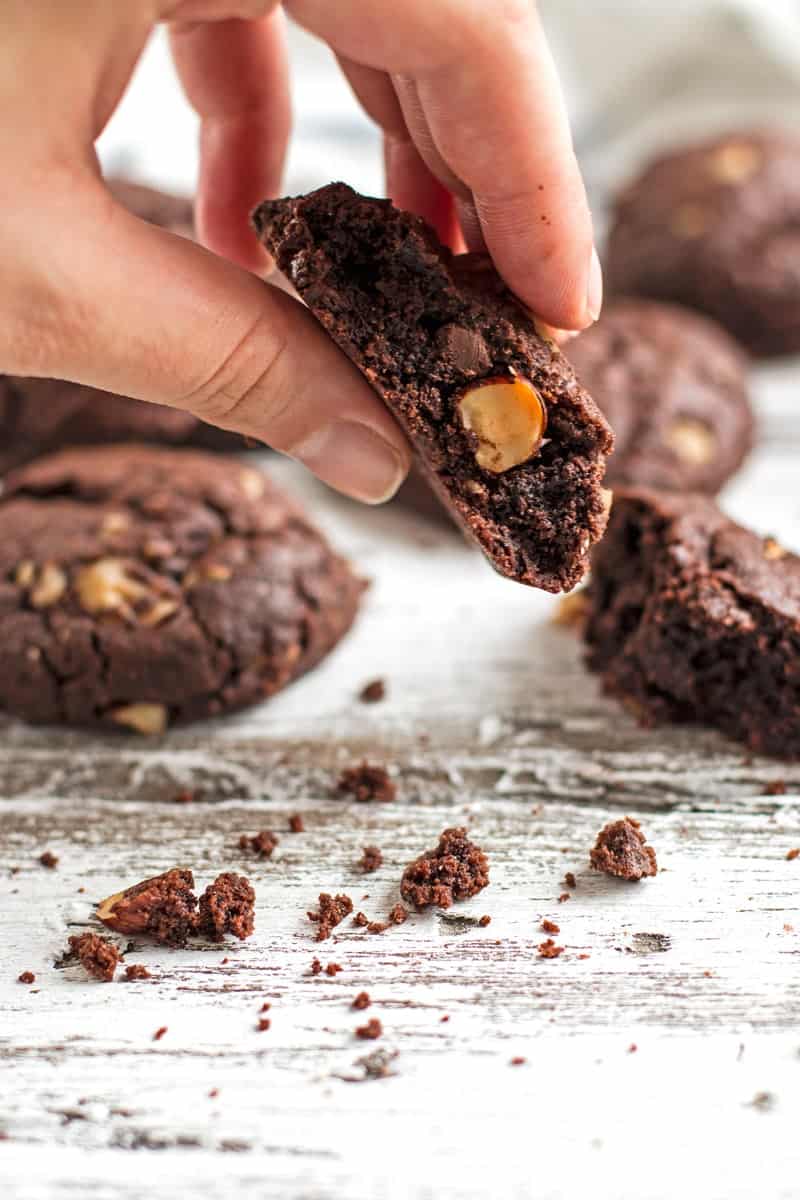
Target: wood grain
491, 721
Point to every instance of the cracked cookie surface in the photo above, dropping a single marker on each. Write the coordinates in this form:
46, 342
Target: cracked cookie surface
141, 587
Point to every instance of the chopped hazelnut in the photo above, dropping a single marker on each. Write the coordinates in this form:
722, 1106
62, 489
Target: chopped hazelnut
107, 585
773, 550
508, 418
147, 719
252, 484
49, 587
734, 162
692, 441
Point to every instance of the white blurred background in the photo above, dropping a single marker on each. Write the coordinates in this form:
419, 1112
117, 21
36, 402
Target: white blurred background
639, 74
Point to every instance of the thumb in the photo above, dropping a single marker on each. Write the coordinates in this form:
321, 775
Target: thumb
137, 310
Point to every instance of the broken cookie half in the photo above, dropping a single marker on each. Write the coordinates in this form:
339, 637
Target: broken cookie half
509, 440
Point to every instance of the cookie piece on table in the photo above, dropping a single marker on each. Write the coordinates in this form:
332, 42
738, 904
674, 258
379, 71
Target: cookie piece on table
38, 416
694, 618
141, 587
673, 386
716, 226
507, 437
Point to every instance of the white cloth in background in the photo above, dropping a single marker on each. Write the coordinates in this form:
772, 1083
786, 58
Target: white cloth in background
639, 75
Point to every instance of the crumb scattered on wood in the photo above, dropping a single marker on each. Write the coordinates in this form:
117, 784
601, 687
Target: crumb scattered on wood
331, 912
26, 977
548, 949
371, 859
261, 844
159, 1033
550, 926
366, 782
49, 860
361, 1001
372, 692
134, 972
455, 870
621, 850
372, 1029
296, 823
96, 954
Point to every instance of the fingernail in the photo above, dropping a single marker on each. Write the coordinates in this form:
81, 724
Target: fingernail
594, 287
354, 459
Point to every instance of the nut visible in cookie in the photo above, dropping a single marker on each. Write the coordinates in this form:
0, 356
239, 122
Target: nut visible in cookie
107, 585
163, 908
692, 441
735, 162
508, 417
145, 718
48, 587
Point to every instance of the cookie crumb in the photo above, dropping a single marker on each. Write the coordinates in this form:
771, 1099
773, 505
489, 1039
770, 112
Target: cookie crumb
455, 870
296, 823
263, 1024
135, 971
361, 1001
372, 1029
550, 927
49, 860
621, 850
583, 957
159, 1033
791, 855
226, 906
261, 844
333, 968
96, 954
372, 692
366, 782
212, 1095
26, 977
398, 914
183, 797
775, 787
569, 879
484, 921
361, 919
162, 908
331, 912
632, 1048
548, 949
316, 967
518, 1060
265, 1007
371, 859
564, 897
445, 1018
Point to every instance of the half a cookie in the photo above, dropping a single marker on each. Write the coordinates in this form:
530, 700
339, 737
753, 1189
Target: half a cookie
512, 444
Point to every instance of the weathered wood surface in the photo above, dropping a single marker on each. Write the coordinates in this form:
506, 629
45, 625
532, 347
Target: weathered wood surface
490, 720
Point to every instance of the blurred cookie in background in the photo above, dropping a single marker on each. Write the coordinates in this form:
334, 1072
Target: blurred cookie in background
716, 227
40, 415
673, 386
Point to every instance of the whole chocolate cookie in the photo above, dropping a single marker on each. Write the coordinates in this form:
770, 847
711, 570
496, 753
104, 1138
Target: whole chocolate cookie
512, 444
673, 386
717, 227
694, 618
41, 415
141, 587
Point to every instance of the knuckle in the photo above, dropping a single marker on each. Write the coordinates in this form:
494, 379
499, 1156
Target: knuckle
249, 390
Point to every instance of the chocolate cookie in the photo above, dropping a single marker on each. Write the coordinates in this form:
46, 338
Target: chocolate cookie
142, 587
717, 227
506, 435
673, 387
41, 415
694, 618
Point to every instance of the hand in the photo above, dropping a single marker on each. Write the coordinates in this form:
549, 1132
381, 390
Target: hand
476, 141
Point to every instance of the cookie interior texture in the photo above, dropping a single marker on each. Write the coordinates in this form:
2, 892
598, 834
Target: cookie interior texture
716, 226
695, 618
423, 325
38, 416
673, 386
141, 587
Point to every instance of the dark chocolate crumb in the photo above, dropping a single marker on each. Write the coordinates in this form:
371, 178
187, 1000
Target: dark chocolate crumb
49, 860
791, 855
332, 910
226, 906
26, 977
776, 787
372, 692
296, 823
455, 870
159, 1033
372, 1029
261, 844
548, 949
362, 1000
263, 1024
371, 859
569, 879
484, 921
366, 782
97, 956
518, 1060
621, 850
333, 968
550, 927
135, 971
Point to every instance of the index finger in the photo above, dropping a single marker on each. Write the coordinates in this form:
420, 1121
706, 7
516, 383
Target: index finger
482, 100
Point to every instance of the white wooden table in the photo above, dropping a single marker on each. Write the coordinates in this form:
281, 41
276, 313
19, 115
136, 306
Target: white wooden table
491, 720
